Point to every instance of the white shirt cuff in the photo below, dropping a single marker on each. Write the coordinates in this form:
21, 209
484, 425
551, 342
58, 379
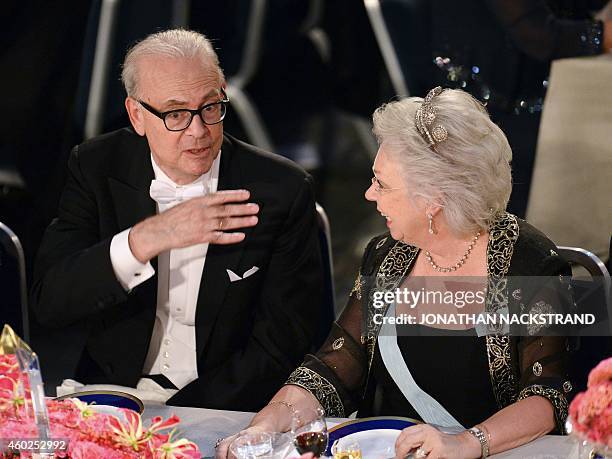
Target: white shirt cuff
129, 271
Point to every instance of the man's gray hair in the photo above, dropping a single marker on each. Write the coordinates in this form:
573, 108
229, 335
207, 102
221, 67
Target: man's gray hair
174, 43
468, 174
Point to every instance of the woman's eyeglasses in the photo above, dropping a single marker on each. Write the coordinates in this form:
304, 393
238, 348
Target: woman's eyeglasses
380, 188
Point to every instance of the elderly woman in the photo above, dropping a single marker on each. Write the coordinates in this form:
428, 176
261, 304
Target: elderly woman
441, 181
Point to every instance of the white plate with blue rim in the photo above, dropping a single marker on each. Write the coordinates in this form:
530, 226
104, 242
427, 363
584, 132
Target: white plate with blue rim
376, 436
108, 398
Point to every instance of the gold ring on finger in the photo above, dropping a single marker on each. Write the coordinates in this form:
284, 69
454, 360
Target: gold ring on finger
420, 453
221, 223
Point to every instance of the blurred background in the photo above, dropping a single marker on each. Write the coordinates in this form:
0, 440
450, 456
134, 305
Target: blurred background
304, 77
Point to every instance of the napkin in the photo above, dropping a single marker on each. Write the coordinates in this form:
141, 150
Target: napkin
146, 390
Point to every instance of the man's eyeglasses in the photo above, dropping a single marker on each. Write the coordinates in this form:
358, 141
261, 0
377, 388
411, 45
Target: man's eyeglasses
180, 119
380, 188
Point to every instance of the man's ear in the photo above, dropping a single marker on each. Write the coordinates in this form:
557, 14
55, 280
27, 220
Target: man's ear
134, 110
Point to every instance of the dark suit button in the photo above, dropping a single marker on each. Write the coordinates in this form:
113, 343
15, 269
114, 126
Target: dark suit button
108, 368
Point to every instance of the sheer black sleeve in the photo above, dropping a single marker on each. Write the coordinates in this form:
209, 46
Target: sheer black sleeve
542, 35
543, 351
336, 374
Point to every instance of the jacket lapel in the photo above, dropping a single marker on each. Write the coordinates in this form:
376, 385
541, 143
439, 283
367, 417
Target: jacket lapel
129, 185
215, 280
129, 188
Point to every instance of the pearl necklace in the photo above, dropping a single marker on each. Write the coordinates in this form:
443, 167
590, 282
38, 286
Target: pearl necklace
457, 265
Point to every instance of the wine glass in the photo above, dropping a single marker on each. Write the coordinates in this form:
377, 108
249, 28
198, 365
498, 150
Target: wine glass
350, 450
309, 431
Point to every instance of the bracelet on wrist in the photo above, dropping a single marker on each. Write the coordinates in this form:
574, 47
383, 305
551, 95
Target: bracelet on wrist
290, 406
482, 439
486, 431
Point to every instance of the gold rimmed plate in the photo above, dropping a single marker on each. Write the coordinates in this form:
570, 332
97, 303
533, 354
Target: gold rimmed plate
376, 436
108, 398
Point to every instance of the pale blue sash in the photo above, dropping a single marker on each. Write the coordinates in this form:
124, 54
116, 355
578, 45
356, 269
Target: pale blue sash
430, 410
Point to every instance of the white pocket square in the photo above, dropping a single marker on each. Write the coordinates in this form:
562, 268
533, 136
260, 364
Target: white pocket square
233, 277
250, 272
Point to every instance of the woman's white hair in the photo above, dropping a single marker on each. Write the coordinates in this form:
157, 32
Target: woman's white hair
174, 43
467, 175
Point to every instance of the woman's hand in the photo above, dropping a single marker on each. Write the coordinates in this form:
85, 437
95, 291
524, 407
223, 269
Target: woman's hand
425, 441
222, 448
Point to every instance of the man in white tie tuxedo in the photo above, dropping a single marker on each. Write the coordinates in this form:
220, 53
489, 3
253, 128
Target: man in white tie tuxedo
189, 257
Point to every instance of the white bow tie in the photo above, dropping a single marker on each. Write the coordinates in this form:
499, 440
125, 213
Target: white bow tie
165, 193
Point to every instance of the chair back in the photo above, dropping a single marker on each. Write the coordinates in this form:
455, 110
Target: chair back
328, 306
386, 45
595, 267
13, 288
591, 297
241, 101
402, 28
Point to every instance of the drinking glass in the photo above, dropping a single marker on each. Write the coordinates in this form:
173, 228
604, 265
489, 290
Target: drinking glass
252, 446
309, 431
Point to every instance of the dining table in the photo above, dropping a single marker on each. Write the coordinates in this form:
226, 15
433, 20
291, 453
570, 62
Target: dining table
204, 426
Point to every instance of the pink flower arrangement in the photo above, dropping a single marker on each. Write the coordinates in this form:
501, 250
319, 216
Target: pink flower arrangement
9, 366
591, 411
88, 433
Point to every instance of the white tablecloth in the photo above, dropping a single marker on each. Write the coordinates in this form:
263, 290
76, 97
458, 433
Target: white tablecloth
203, 427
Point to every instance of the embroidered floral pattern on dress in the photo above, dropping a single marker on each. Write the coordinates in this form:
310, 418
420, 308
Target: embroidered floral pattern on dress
321, 388
356, 292
537, 369
558, 400
503, 233
394, 268
337, 344
541, 307
381, 243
